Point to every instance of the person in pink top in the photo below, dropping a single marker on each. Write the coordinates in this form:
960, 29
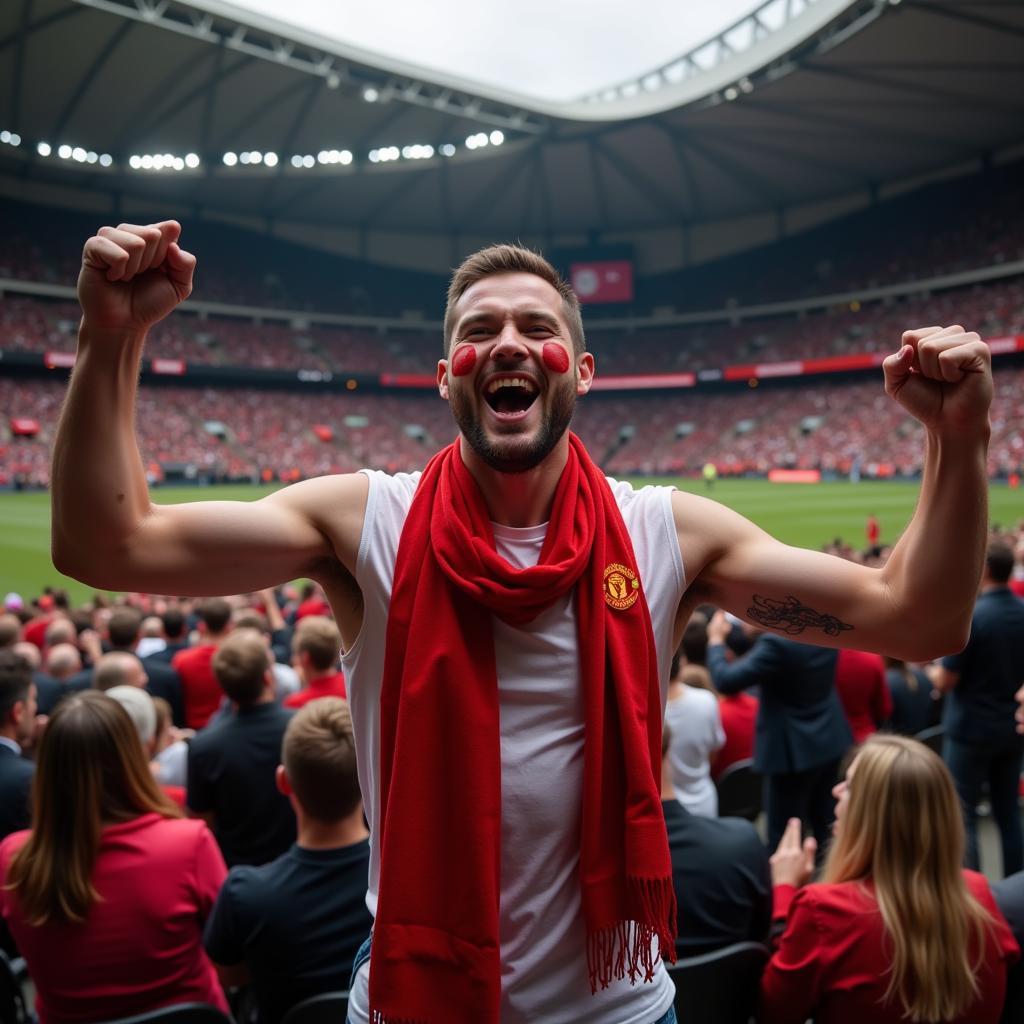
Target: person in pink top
898, 931
316, 648
107, 894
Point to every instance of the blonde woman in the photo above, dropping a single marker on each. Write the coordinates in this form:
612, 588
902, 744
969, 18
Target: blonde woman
897, 932
107, 894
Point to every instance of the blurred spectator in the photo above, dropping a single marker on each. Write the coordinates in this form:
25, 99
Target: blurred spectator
801, 730
17, 729
170, 749
692, 716
720, 871
107, 895
151, 637
312, 602
897, 931
175, 636
293, 926
232, 764
738, 712
64, 674
982, 745
863, 692
118, 668
317, 648
915, 707
123, 634
200, 689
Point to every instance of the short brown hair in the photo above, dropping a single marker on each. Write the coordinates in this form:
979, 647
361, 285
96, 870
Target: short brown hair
512, 259
319, 755
240, 664
215, 613
318, 636
123, 627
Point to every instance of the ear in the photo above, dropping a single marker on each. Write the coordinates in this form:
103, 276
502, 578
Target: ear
584, 373
281, 779
442, 378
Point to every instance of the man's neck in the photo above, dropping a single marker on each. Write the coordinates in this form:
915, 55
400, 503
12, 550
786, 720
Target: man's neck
10, 736
988, 586
323, 835
518, 499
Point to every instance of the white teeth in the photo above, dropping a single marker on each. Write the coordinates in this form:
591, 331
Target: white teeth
510, 382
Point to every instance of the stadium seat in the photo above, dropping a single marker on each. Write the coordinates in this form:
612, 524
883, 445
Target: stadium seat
740, 791
12, 999
182, 1013
932, 738
327, 1008
719, 987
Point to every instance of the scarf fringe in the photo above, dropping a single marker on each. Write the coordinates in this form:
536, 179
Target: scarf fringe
626, 947
376, 1017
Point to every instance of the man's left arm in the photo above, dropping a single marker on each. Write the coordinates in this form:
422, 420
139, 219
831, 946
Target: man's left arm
916, 607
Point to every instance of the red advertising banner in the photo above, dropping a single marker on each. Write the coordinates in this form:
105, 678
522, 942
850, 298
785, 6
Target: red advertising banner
24, 426
602, 281
174, 367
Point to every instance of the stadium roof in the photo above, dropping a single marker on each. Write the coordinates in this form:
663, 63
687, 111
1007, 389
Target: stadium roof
836, 97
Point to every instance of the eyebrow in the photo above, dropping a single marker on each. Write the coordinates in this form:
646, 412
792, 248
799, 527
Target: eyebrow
535, 315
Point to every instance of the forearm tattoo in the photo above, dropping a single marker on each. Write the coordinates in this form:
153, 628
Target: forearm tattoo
792, 617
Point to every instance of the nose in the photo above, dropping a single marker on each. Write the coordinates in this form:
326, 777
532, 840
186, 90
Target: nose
838, 789
510, 344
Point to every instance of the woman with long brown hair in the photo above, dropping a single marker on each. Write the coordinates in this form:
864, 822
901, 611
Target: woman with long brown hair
897, 931
106, 895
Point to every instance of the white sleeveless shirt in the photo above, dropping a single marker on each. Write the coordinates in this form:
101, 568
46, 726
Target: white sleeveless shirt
542, 934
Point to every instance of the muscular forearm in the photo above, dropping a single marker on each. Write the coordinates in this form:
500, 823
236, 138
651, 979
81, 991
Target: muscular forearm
98, 482
933, 572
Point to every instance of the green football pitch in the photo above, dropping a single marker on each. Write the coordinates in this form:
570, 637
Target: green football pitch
807, 515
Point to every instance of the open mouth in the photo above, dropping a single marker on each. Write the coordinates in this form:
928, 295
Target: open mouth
510, 396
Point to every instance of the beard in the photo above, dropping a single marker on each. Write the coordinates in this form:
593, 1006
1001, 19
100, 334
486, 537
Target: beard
514, 453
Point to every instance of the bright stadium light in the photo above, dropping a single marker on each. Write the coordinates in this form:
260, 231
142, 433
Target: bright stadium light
179, 164
134, 161
192, 160
149, 164
43, 148
308, 161
79, 155
244, 158
374, 156
106, 160
64, 152
5, 136
230, 159
270, 159
447, 149
346, 157
497, 137
91, 157
296, 161
370, 94
323, 157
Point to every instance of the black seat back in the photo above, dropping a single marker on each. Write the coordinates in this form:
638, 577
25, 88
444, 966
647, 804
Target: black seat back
181, 1013
719, 987
329, 1008
740, 791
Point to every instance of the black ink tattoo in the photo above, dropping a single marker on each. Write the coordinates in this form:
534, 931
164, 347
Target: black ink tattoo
792, 617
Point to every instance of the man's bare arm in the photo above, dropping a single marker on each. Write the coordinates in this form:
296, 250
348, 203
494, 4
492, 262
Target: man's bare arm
106, 530
918, 606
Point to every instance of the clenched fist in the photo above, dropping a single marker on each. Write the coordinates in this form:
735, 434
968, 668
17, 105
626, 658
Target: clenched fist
133, 275
942, 376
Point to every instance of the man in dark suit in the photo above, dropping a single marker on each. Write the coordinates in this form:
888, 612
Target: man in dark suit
17, 727
721, 874
176, 635
802, 732
981, 742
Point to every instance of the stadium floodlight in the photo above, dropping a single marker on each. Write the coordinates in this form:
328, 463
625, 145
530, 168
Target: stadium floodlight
134, 161
731, 93
91, 157
746, 85
374, 156
15, 139
179, 164
346, 157
5, 136
79, 155
296, 160
230, 159
148, 163
308, 161
244, 158
64, 152
333, 80
270, 159
156, 162
370, 94
497, 137
447, 149
192, 160
323, 156
106, 160
43, 148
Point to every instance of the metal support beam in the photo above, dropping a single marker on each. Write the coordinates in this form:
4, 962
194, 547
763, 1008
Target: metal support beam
18, 71
642, 182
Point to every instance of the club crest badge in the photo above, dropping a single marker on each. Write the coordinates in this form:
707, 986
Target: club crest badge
621, 587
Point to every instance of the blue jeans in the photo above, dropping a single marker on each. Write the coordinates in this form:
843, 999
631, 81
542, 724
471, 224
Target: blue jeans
363, 955
998, 763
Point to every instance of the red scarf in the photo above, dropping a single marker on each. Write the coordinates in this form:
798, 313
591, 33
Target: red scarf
436, 955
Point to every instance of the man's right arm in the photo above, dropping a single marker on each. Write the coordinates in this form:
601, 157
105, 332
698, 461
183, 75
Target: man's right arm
106, 530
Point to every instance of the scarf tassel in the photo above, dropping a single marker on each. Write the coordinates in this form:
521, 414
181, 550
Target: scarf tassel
626, 947
376, 1017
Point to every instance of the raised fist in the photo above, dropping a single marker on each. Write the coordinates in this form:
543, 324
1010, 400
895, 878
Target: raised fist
133, 275
942, 376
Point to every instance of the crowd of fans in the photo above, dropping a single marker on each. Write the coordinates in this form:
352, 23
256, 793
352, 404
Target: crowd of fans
183, 819
839, 428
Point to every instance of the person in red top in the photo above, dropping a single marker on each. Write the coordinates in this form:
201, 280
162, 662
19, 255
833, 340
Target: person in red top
312, 603
200, 690
739, 720
315, 651
873, 531
863, 692
897, 931
107, 895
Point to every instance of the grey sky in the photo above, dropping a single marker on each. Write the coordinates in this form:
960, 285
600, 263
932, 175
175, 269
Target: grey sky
551, 50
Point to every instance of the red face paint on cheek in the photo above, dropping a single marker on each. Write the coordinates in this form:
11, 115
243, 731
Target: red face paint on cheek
463, 361
556, 359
